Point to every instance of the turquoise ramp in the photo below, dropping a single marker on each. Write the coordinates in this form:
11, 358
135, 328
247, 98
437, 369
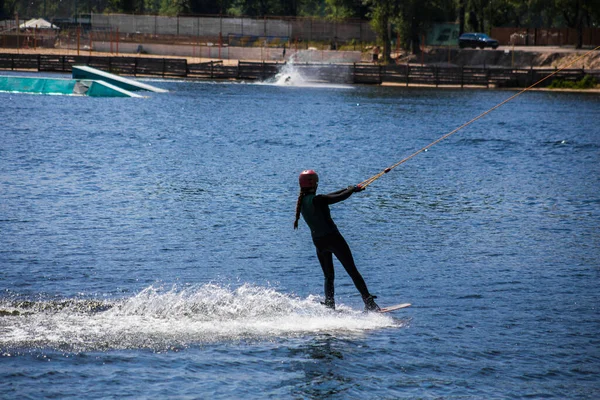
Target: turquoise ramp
17, 84
89, 73
105, 89
69, 87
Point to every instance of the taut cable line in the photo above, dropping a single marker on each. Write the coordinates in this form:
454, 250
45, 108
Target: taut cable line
372, 179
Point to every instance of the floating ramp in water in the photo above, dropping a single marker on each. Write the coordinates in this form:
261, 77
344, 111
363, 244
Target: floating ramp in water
103, 89
85, 72
87, 81
21, 84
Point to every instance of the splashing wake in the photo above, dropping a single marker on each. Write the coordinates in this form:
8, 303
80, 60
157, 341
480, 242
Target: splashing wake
158, 318
295, 75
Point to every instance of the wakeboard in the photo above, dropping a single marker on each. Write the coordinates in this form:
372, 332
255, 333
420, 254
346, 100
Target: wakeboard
393, 308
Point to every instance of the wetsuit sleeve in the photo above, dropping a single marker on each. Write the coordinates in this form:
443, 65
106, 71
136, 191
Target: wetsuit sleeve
335, 197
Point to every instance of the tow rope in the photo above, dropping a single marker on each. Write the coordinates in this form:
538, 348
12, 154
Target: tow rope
372, 179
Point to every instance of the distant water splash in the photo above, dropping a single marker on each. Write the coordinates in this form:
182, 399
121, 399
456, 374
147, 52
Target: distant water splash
292, 75
162, 319
289, 75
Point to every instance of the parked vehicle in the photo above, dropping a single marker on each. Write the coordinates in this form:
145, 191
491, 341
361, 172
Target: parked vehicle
475, 40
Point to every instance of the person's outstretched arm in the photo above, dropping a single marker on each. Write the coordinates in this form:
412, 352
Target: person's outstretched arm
336, 197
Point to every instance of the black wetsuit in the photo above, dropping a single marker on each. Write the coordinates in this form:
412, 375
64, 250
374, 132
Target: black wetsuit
328, 240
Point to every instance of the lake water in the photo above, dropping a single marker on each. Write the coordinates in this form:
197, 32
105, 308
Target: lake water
147, 249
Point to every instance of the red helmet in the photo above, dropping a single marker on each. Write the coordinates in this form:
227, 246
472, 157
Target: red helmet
308, 179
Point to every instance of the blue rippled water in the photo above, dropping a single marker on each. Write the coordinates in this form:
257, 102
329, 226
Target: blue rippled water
147, 249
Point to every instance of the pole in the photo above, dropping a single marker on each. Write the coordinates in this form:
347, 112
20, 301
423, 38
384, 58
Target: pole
422, 50
18, 31
398, 46
221, 32
220, 43
512, 62
198, 38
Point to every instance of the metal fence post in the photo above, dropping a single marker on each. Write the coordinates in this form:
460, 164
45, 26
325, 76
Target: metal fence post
530, 76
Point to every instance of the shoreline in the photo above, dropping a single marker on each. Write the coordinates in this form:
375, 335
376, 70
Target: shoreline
538, 57
473, 87
197, 60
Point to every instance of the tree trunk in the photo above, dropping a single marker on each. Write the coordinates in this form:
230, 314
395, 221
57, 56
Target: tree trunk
461, 17
579, 25
385, 38
414, 37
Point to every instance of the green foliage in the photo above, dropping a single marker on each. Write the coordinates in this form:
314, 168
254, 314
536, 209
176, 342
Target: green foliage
588, 82
260, 8
173, 7
209, 6
339, 10
382, 14
152, 6
414, 17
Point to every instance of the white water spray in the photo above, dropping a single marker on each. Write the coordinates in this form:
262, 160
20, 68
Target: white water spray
289, 75
292, 74
162, 319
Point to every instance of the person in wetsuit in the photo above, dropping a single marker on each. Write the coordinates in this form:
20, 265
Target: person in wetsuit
327, 238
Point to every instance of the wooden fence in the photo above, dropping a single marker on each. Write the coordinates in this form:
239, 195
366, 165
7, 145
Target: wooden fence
463, 76
165, 67
326, 73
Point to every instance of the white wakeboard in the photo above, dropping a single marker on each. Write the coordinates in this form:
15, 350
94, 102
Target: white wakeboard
393, 308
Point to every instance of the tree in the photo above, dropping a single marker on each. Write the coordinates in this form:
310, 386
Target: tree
3, 15
338, 10
209, 6
174, 7
461, 16
416, 16
259, 8
382, 13
152, 6
578, 14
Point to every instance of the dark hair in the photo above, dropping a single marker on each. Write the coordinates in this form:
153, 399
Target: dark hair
299, 207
